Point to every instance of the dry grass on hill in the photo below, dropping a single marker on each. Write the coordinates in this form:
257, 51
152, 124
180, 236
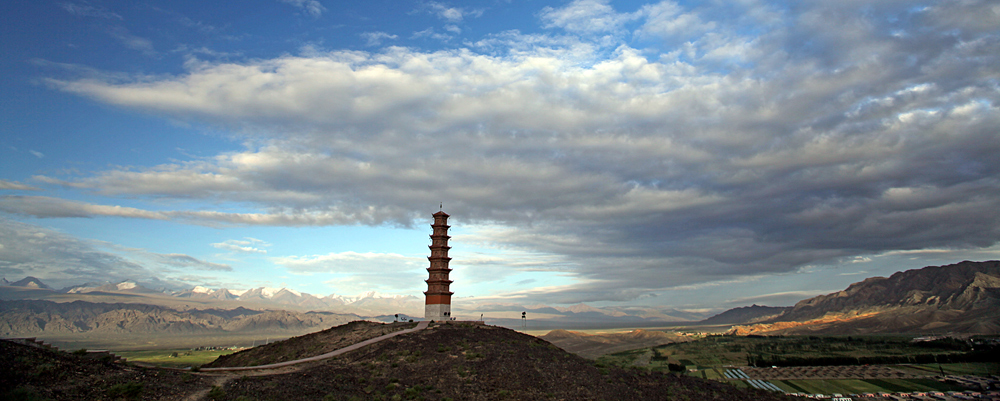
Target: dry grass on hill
308, 345
472, 362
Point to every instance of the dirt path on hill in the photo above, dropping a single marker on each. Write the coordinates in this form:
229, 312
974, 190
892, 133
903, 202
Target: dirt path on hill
328, 355
224, 375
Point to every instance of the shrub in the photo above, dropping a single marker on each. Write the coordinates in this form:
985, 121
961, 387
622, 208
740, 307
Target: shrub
44, 369
21, 394
130, 390
216, 393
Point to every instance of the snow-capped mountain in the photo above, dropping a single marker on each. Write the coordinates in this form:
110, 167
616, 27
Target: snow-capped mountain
363, 296
30, 282
200, 292
130, 286
285, 297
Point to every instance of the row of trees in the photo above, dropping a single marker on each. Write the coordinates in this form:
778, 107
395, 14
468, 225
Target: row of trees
764, 360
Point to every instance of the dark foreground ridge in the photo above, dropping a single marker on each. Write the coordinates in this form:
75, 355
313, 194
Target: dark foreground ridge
35, 373
475, 362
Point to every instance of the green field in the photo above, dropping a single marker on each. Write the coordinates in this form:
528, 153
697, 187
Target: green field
862, 386
971, 368
166, 358
709, 358
718, 350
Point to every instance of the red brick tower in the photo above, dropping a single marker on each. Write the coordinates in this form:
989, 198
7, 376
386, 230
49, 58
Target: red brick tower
438, 304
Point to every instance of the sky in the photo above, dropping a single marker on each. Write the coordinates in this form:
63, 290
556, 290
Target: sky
689, 155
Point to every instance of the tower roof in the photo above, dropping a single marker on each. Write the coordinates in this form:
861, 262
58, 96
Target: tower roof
441, 213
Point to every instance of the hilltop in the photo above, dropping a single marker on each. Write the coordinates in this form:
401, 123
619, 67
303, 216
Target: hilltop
476, 362
308, 345
959, 298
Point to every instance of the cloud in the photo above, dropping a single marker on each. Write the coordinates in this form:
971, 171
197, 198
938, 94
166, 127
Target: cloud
350, 262
362, 271
63, 260
584, 16
48, 207
42, 206
60, 259
785, 298
451, 14
311, 7
376, 38
699, 150
179, 260
14, 185
430, 33
132, 41
669, 20
87, 10
248, 245
37, 153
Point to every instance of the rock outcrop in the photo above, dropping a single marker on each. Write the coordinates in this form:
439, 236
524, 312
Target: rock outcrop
958, 298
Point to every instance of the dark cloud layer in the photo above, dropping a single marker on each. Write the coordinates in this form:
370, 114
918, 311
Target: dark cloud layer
773, 138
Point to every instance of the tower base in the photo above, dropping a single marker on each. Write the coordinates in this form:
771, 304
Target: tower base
437, 312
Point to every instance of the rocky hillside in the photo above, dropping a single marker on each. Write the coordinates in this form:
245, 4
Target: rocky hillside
33, 373
958, 298
308, 345
746, 314
46, 318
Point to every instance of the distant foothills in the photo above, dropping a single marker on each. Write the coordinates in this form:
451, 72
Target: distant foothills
275, 296
370, 304
962, 298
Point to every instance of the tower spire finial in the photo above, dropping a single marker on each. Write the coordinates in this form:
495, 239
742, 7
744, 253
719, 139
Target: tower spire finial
441, 207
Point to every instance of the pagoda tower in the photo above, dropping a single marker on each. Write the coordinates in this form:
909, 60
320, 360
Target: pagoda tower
438, 304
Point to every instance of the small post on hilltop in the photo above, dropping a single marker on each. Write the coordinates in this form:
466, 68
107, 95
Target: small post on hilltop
524, 320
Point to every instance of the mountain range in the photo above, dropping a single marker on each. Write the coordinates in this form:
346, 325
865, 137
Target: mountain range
383, 307
959, 298
746, 314
46, 318
369, 303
